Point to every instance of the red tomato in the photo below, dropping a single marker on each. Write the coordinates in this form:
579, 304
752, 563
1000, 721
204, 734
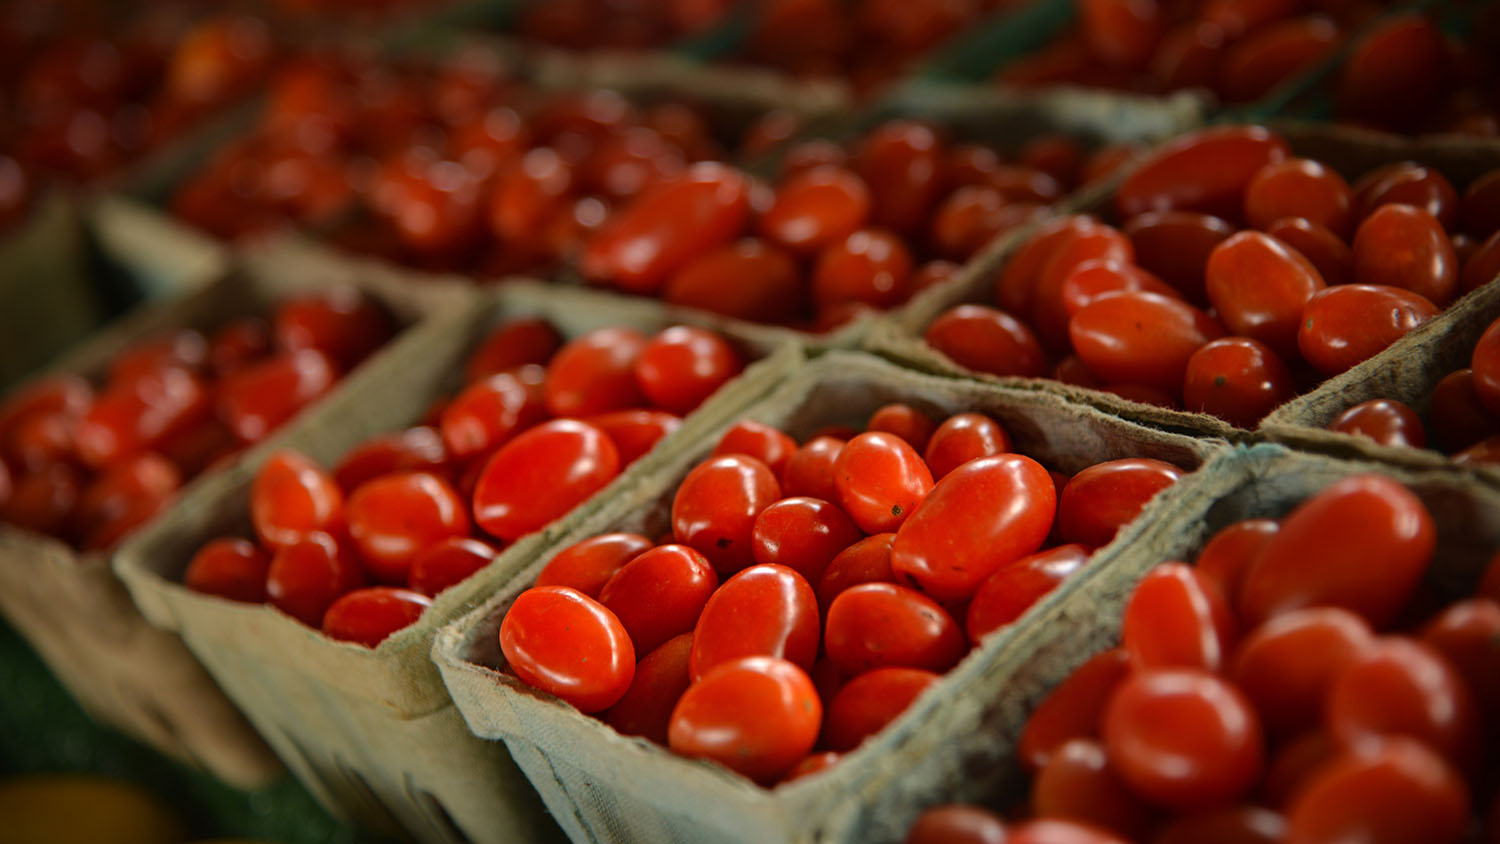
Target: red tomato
682, 366
963, 437
1061, 832
1362, 544
1481, 205
342, 323
1386, 792
880, 481
308, 575
567, 644
1092, 279
984, 339
1467, 634
291, 498
761, 611
1485, 363
902, 163
810, 470
865, 561
1259, 64
659, 594
661, 678
120, 499
528, 192
1405, 247
904, 421
667, 226
882, 625
412, 450
141, 415
1188, 56
256, 399
1300, 187
967, 220
1048, 310
43, 499
747, 280
761, 441
395, 517
1015, 288
1329, 255
1102, 499
1347, 325
230, 568
983, 515
869, 702
1236, 379
870, 266
1183, 738
1079, 784
816, 208
586, 566
1287, 665
1075, 709
1121, 35
1177, 618
1408, 183
1396, 72
813, 764
183, 348
1480, 268
447, 563
595, 373
1259, 286
635, 432
1242, 825
1175, 245
368, 616
1459, 419
1386, 421
516, 342
757, 716
957, 825
716, 505
1008, 593
541, 475
1141, 338
1205, 171
1295, 763
40, 438
803, 534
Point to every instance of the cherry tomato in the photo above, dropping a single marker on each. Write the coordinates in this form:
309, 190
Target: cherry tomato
761, 611
1048, 311
395, 517
956, 824
987, 340
1236, 379
902, 163
810, 469
757, 716
661, 678
866, 704
682, 366
967, 220
1008, 593
716, 505
1075, 709
1175, 245
1391, 791
1092, 279
1467, 634
761, 441
230, 568
68, 395
1260, 63
595, 373
865, 561
308, 575
1120, 34
1287, 665
447, 563
1188, 56
880, 480
541, 475
1405, 247
1396, 72
567, 644
39, 438
1345, 326
1183, 738
882, 625
1386, 421
1006, 505
1061, 832
870, 266
748, 280
1079, 784
635, 432
816, 208
1241, 825
963, 437
124, 496
516, 342
813, 764
1205, 171
1408, 183
1482, 267
1485, 364
1329, 255
417, 449
1294, 764
586, 566
291, 498
1259, 287
1102, 499
258, 398
342, 323
1015, 288
1458, 418
1362, 544
42, 500
141, 415
368, 616
181, 349
803, 534
904, 421
528, 192
1177, 618
1141, 338
659, 594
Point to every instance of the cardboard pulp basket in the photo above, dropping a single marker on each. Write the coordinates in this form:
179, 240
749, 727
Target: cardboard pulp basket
373, 732
46, 301
1351, 152
605, 787
73, 609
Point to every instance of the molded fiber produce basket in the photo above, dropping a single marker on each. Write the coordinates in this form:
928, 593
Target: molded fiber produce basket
1352, 152
605, 787
47, 302
77, 614
373, 732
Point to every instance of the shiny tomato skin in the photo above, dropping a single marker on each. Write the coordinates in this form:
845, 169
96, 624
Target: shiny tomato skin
667, 226
292, 497
659, 594
1094, 278
880, 480
761, 611
1294, 763
417, 449
446, 563
865, 561
904, 421
716, 505
1259, 286
1387, 792
869, 702
635, 432
1347, 325
870, 266
816, 208
342, 323
516, 342
69, 395
757, 716
1386, 421
231, 568
1141, 338
1206, 171
541, 475
1287, 665
1481, 267
1362, 544
963, 437
902, 163
1405, 247
1326, 251
1015, 288
1079, 784
307, 576
1238, 380
1458, 418
1485, 365
491, 410
256, 399
1467, 634
1241, 825
810, 469
1408, 183
1175, 245
1074, 709
395, 517
661, 678
984, 339
1053, 831
957, 824
882, 625
1395, 73
141, 415
747, 279
1005, 504
1300, 187
1177, 618
1120, 34
595, 373
1008, 593
765, 443
1102, 499
586, 566
42, 500
567, 644
368, 616
811, 764
803, 534
1048, 311
1183, 738
682, 366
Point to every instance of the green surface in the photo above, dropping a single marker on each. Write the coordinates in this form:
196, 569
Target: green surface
42, 730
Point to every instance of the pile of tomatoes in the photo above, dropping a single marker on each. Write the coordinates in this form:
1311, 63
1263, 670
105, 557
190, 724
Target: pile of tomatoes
1300, 683
806, 595
1240, 275
88, 466
541, 426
